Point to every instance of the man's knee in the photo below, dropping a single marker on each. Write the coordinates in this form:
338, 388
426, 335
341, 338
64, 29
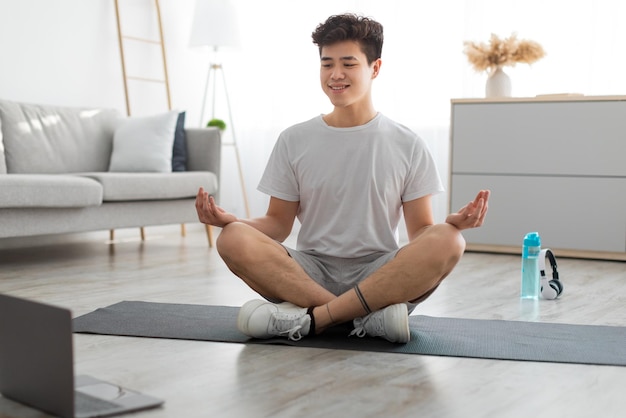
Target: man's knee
453, 240
445, 245
239, 242
231, 239
440, 248
446, 240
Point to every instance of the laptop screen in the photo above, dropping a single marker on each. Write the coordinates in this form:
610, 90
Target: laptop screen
36, 355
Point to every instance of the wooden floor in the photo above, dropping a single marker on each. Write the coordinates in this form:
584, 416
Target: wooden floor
205, 379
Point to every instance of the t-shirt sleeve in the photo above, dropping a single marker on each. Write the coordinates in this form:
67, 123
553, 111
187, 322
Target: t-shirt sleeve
423, 178
279, 179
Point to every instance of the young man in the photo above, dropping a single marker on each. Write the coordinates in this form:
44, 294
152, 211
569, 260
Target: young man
347, 176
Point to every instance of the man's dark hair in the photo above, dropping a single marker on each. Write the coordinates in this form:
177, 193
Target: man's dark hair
350, 27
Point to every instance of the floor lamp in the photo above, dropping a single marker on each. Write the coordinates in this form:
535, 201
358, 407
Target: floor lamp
215, 25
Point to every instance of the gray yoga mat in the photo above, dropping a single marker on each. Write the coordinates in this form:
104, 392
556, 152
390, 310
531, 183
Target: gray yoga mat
491, 339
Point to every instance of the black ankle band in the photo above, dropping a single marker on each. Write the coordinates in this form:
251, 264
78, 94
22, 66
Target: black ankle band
362, 299
309, 312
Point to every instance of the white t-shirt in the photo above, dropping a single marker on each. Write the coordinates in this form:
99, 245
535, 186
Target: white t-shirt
350, 182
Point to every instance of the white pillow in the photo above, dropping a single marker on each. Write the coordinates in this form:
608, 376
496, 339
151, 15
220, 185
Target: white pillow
144, 144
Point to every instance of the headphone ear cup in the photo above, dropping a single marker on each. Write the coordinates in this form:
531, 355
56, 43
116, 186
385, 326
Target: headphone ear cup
553, 288
557, 285
549, 291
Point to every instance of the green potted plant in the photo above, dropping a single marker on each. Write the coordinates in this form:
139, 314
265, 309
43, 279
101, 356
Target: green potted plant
218, 123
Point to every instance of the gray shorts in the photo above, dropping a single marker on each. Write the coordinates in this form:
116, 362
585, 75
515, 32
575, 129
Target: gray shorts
338, 275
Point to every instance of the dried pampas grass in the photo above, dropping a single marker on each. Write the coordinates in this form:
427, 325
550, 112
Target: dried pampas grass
500, 52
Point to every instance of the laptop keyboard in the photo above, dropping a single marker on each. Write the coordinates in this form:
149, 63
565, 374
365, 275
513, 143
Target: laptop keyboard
87, 403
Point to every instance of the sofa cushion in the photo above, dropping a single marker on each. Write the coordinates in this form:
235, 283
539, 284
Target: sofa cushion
153, 186
54, 139
144, 144
48, 191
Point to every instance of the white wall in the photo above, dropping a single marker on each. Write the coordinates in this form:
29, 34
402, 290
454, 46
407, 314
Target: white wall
59, 52
65, 52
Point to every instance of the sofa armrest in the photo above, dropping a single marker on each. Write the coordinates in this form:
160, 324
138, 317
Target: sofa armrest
204, 150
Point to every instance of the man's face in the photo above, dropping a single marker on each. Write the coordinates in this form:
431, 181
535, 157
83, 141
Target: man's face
345, 76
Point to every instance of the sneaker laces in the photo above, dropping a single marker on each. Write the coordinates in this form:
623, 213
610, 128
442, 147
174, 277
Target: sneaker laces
376, 328
390, 323
286, 324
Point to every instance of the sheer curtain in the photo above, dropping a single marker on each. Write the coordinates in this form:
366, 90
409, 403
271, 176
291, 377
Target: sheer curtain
273, 79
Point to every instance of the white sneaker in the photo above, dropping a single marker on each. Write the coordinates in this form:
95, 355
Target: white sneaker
263, 319
390, 323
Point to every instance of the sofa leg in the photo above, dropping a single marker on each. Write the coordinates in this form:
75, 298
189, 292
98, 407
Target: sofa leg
209, 234
183, 230
142, 231
111, 234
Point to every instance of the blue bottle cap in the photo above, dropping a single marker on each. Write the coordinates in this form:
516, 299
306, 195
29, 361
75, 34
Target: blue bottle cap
532, 239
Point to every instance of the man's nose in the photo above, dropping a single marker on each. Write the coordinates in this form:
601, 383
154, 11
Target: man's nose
337, 73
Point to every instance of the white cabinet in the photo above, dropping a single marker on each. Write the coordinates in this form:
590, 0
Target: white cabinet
556, 166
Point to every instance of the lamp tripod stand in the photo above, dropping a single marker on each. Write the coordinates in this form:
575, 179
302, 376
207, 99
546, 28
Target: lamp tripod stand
214, 69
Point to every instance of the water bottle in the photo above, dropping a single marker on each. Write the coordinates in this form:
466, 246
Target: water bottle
530, 266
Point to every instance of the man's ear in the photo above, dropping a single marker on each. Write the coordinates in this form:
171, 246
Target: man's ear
376, 67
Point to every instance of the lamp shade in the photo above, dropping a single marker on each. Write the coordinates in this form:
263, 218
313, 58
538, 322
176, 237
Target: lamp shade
215, 24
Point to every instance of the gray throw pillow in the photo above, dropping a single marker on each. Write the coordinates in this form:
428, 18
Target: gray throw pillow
179, 153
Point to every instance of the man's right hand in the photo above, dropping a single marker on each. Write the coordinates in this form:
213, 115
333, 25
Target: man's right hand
209, 213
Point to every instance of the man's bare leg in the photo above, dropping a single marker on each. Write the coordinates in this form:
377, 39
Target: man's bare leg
412, 275
267, 268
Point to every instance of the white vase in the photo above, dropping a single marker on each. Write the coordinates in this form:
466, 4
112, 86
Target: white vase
498, 84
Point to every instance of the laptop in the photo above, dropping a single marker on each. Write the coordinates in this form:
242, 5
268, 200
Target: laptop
37, 365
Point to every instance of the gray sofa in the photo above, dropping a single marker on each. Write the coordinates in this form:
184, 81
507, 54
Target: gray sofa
66, 170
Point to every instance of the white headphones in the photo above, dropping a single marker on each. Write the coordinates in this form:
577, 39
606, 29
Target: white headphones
553, 288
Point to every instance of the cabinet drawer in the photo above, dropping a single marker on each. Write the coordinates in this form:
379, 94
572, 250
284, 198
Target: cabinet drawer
568, 212
581, 138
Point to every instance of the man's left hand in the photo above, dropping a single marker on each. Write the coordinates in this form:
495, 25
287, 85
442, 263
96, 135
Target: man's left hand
473, 214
